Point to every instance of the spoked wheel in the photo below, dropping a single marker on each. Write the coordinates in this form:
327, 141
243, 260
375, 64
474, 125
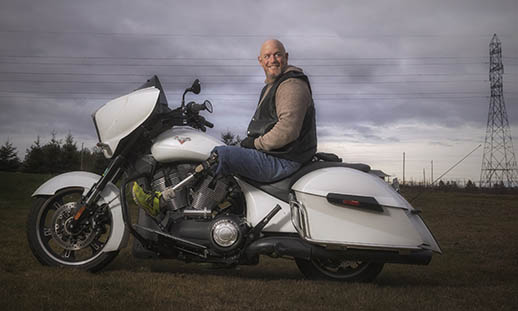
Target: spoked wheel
339, 270
53, 241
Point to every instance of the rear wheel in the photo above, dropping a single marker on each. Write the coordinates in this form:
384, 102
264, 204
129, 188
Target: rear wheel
54, 244
339, 270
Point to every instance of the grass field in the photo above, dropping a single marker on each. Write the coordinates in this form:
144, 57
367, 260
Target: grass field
478, 270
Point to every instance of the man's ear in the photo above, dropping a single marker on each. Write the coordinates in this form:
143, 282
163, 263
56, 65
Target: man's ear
259, 59
286, 57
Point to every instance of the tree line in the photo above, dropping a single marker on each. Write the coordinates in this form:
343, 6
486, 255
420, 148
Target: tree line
63, 155
54, 157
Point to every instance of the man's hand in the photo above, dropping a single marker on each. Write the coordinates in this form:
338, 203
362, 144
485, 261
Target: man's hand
248, 143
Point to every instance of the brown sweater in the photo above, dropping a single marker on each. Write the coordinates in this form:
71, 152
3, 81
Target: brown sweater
292, 99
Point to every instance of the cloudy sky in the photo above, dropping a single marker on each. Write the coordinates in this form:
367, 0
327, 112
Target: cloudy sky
388, 76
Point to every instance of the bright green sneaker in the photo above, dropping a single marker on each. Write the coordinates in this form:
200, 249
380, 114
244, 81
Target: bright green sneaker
150, 202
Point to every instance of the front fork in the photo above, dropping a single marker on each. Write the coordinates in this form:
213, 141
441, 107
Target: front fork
88, 205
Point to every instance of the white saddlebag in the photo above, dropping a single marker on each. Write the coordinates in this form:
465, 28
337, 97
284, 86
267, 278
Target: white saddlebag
345, 207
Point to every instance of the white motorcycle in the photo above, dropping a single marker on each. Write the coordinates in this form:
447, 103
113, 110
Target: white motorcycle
336, 220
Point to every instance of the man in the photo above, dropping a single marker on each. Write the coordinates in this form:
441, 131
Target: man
282, 133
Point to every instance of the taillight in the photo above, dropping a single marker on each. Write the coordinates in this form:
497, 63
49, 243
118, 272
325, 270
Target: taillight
346, 200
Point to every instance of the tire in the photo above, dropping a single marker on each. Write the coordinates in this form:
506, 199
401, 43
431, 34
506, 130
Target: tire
345, 271
53, 246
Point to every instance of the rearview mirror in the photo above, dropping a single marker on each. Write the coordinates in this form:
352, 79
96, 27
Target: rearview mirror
207, 105
196, 87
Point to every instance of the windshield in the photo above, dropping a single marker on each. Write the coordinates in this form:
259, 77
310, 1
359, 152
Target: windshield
162, 100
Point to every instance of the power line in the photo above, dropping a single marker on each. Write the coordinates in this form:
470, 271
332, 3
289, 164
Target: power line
256, 94
244, 58
247, 35
235, 65
243, 75
238, 82
253, 101
232, 97
172, 35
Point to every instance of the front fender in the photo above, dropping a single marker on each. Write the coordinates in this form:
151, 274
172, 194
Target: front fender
110, 194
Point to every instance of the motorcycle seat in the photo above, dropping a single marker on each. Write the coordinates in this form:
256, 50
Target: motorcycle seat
281, 188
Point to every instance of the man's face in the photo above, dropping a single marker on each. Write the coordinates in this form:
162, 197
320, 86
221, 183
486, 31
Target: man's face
273, 59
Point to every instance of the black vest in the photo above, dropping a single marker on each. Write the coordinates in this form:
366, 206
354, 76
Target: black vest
304, 147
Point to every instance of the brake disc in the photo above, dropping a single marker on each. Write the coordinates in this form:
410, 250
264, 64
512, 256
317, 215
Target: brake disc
63, 236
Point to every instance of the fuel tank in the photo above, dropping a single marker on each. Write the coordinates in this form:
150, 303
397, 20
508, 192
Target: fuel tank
183, 144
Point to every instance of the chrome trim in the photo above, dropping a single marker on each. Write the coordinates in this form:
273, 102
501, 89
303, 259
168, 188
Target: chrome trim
295, 217
299, 217
105, 147
225, 233
200, 213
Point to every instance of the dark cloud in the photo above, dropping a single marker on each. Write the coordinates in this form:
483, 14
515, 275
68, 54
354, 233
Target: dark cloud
372, 66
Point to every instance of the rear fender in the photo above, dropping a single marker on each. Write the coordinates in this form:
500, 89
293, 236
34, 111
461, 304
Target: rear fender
110, 194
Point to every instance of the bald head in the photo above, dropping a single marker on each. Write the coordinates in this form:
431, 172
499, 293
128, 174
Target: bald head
273, 58
272, 43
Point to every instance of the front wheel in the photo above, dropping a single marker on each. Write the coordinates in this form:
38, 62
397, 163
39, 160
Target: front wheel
339, 270
54, 244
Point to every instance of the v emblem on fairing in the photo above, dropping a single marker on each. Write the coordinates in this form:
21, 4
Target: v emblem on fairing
182, 140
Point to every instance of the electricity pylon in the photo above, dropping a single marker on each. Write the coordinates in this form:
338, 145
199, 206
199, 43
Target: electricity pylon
498, 162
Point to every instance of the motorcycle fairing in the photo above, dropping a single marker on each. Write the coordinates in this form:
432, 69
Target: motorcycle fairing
119, 235
119, 117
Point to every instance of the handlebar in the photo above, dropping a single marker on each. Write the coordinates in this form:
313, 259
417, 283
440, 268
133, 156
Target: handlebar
193, 109
200, 122
187, 115
208, 124
196, 108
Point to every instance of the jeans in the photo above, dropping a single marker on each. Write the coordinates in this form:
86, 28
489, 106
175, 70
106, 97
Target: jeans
253, 164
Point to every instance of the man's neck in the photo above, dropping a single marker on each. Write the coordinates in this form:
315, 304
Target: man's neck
270, 80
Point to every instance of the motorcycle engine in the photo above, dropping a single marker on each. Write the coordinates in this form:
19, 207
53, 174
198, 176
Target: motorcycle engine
198, 200
171, 176
207, 196
208, 211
